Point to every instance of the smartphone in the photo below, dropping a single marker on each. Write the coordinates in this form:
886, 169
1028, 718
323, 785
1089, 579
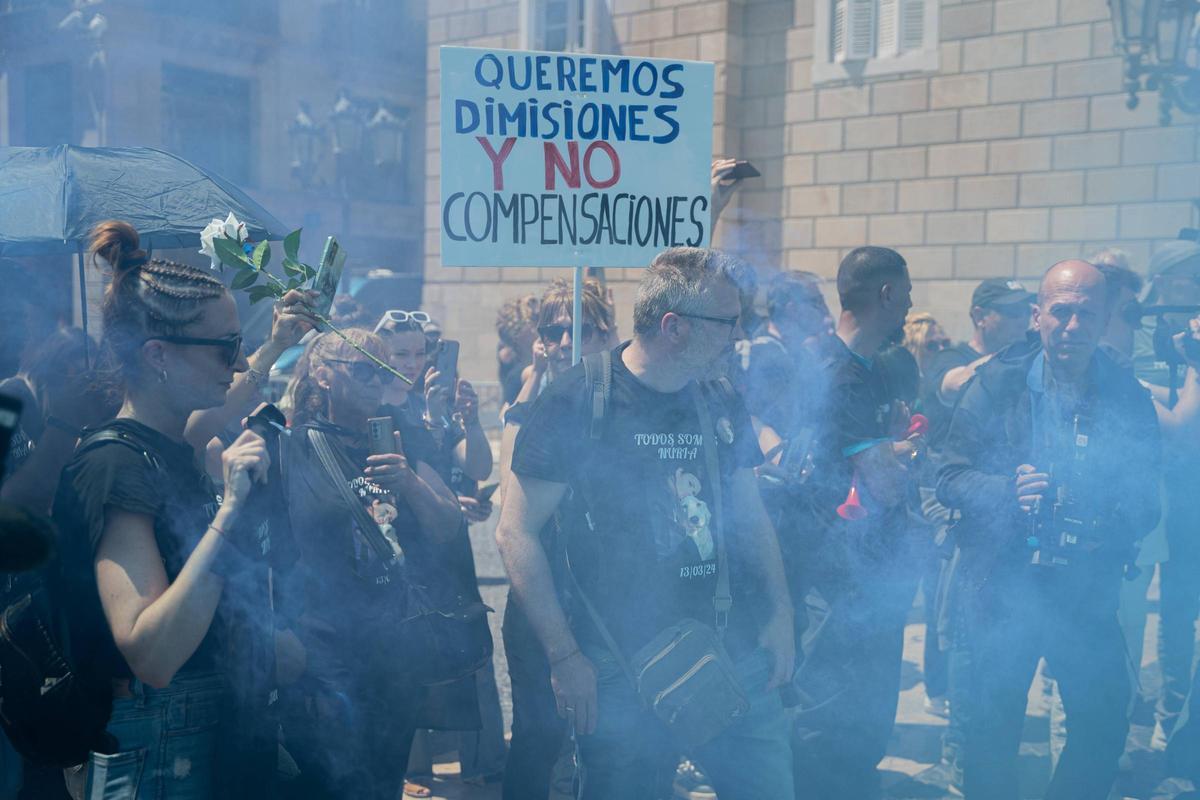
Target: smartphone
329, 275
446, 363
10, 416
380, 436
742, 169
484, 495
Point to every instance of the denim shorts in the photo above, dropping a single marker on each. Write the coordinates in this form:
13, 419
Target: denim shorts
167, 741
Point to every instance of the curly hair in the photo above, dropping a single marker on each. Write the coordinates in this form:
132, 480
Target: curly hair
919, 330
305, 396
517, 318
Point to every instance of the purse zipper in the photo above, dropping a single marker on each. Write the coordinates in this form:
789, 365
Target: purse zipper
662, 654
682, 679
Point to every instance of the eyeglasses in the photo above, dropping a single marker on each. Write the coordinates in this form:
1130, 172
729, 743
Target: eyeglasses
398, 317
554, 333
363, 371
730, 321
232, 346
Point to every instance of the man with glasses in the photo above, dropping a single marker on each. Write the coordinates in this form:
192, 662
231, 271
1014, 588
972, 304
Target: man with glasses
640, 535
862, 573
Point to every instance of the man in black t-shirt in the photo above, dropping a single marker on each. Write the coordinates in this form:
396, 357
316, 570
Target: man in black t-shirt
863, 574
649, 557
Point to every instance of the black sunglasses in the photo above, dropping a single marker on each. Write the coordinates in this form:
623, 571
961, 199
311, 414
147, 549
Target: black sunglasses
554, 333
730, 321
363, 371
231, 346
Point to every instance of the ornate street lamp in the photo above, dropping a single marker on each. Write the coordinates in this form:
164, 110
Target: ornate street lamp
304, 138
1160, 40
347, 123
386, 134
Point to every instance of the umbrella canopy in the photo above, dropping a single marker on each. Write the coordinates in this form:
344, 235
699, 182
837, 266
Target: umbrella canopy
51, 197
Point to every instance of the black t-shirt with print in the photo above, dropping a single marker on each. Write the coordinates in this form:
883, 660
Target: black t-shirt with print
339, 580
182, 501
29, 426
650, 559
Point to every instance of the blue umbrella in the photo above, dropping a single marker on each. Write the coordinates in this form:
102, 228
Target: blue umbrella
52, 197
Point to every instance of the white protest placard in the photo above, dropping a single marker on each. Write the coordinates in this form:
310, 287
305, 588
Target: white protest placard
561, 159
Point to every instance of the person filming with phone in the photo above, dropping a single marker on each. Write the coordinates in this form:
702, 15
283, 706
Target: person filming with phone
362, 503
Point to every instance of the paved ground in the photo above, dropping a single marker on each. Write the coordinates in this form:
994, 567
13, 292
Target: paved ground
915, 744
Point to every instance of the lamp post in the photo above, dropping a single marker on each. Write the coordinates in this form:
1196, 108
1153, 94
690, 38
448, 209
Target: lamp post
349, 131
304, 138
1160, 41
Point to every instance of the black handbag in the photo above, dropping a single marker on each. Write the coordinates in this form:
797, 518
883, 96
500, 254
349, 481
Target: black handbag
443, 624
684, 676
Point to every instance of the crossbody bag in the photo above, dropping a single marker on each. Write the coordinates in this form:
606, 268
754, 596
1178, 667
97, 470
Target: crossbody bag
684, 675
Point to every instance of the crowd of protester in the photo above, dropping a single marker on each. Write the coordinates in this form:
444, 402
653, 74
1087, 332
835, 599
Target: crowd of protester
714, 532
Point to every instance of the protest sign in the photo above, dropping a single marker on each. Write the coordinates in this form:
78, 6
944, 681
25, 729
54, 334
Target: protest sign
560, 159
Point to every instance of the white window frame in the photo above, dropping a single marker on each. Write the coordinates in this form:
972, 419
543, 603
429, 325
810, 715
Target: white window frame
828, 69
593, 40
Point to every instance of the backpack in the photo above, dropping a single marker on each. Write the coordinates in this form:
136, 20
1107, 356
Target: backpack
51, 715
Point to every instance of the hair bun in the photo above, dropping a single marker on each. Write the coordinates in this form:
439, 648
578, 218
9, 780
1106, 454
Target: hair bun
118, 243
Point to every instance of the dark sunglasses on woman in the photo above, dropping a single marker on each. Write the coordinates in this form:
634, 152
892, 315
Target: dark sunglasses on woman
363, 371
554, 333
231, 346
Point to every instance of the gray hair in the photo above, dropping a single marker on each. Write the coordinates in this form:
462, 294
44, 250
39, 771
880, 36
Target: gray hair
680, 279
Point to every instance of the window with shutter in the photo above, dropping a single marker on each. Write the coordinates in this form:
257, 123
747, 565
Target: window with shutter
573, 26
889, 28
912, 25
857, 39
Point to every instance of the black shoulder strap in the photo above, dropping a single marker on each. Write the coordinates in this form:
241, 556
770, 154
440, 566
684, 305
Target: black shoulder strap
93, 439
597, 369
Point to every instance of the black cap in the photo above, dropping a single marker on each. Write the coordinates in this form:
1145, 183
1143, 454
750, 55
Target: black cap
1001, 292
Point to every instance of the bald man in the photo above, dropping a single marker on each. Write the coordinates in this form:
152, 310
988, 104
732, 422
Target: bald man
1052, 457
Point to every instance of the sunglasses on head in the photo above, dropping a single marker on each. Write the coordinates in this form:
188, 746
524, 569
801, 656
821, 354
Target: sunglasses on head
554, 333
398, 317
363, 371
231, 346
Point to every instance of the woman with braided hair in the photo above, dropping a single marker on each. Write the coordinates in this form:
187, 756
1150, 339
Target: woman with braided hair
168, 595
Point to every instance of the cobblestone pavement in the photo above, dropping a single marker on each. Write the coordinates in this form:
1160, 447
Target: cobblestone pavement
916, 741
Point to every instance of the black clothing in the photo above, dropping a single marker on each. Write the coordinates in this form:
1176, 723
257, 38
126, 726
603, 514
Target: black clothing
29, 426
352, 716
862, 577
933, 405
782, 387
182, 501
648, 496
239, 644
901, 373
1012, 413
993, 432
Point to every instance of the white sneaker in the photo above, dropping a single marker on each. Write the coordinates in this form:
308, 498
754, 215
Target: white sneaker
938, 706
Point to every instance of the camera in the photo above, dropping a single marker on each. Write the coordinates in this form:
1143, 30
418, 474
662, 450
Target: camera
1165, 331
1064, 529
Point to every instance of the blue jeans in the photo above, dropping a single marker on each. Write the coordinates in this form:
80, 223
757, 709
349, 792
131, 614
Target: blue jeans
631, 751
168, 742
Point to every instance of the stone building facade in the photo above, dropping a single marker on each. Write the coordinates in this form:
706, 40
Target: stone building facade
981, 138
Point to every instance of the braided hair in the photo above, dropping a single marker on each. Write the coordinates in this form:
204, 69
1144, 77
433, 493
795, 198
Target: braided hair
147, 297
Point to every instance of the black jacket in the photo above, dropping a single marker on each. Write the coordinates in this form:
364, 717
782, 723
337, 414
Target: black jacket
991, 434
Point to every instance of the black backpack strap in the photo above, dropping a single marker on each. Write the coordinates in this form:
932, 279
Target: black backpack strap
597, 369
99, 437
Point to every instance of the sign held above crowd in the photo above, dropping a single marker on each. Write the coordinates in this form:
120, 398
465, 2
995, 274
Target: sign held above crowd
558, 159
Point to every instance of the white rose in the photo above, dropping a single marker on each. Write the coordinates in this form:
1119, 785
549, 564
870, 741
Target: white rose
230, 229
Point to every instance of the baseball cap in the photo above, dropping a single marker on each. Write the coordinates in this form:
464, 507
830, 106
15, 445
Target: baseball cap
1001, 292
1176, 257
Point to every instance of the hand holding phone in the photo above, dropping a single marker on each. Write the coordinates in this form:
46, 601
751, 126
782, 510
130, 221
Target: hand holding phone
380, 437
329, 275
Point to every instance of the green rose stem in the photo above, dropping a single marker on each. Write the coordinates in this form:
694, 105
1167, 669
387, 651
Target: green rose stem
325, 321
